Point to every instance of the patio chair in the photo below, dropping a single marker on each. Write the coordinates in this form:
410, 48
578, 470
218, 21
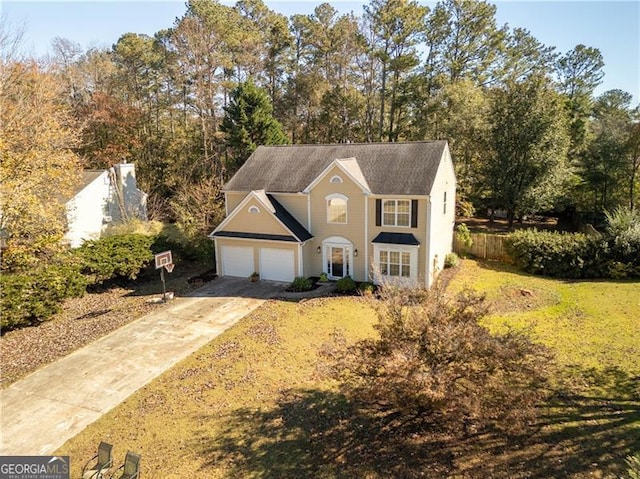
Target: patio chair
130, 468
104, 462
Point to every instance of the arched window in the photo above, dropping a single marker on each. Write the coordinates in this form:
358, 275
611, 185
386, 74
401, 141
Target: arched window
254, 210
337, 208
335, 179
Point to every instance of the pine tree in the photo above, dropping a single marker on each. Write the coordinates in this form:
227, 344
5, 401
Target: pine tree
248, 122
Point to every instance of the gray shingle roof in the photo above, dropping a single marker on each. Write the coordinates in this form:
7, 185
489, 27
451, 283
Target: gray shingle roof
396, 238
289, 221
389, 168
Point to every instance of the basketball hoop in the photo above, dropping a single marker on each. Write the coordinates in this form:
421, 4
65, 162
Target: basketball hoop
163, 259
169, 267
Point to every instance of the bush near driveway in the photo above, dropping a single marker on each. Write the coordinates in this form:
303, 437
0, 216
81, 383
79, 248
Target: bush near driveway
34, 296
300, 284
120, 256
28, 298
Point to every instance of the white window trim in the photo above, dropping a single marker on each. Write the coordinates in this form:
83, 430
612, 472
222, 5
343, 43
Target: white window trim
253, 209
395, 215
413, 260
336, 179
337, 196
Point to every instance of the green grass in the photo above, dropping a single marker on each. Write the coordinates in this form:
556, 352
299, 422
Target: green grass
253, 403
589, 324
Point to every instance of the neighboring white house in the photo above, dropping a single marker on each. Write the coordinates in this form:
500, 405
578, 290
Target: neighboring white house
104, 197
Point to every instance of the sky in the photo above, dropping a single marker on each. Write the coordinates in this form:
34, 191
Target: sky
611, 26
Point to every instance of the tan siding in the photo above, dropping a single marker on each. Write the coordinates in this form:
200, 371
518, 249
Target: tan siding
262, 222
420, 232
256, 245
353, 230
312, 266
234, 199
294, 204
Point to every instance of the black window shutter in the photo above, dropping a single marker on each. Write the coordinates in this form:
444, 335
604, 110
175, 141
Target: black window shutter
414, 213
378, 212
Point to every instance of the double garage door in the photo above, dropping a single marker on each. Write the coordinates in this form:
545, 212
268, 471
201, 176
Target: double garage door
275, 264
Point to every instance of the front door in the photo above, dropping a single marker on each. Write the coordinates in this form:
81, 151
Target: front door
337, 257
336, 262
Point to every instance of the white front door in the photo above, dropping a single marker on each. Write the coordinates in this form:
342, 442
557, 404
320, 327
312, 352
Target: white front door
337, 266
337, 256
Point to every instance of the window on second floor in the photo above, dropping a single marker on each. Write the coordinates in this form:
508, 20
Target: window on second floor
396, 213
336, 208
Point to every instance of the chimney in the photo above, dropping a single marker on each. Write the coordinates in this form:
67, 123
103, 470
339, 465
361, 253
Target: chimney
126, 176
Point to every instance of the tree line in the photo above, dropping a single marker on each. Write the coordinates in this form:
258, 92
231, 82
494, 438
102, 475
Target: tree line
191, 102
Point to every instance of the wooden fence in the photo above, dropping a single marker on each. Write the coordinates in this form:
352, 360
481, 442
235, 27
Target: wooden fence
485, 246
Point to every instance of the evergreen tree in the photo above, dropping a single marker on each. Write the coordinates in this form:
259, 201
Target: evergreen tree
248, 122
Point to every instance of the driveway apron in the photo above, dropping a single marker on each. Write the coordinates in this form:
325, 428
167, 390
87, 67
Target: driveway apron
45, 409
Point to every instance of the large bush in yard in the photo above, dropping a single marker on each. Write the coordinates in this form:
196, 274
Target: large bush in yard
35, 296
565, 255
623, 228
575, 255
121, 256
435, 365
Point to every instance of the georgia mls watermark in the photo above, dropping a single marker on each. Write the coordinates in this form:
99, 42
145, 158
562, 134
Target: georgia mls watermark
34, 467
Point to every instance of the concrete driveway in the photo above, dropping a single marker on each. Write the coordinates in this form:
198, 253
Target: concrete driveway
45, 409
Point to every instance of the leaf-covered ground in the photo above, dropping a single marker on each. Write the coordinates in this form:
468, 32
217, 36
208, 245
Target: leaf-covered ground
252, 404
84, 320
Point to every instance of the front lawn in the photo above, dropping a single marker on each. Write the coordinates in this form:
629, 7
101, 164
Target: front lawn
253, 403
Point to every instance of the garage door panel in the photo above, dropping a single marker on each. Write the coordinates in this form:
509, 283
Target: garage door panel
277, 264
237, 261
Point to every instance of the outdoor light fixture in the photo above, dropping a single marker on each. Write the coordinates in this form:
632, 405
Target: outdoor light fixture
355, 253
318, 250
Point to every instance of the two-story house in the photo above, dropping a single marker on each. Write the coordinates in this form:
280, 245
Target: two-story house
371, 211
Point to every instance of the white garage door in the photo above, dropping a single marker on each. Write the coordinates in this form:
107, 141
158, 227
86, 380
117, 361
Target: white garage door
237, 261
276, 264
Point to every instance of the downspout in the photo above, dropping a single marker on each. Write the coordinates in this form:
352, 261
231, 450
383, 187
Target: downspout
366, 237
309, 213
300, 265
216, 247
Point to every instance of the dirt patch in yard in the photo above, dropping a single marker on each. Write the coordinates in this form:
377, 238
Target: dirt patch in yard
518, 298
83, 320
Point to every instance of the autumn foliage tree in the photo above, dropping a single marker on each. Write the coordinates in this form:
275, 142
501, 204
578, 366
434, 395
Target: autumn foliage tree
38, 166
434, 364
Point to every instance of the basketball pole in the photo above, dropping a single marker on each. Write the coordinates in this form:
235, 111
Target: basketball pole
164, 286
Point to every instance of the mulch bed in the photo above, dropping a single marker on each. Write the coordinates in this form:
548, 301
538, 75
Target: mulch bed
86, 319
